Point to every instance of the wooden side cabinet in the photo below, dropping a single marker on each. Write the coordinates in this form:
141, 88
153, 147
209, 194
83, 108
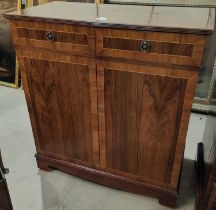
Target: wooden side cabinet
109, 96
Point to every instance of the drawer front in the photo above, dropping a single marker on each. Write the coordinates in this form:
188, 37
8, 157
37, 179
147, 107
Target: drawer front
156, 47
78, 40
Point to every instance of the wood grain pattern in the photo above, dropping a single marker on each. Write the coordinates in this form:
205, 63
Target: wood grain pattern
78, 40
165, 47
140, 117
155, 47
143, 129
194, 20
63, 37
212, 202
63, 118
28, 101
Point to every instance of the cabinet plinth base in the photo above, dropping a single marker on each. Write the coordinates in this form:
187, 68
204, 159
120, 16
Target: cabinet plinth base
166, 197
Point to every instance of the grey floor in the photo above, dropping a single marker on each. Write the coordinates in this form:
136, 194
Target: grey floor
32, 189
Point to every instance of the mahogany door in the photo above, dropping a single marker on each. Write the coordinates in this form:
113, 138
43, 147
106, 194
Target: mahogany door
61, 96
143, 117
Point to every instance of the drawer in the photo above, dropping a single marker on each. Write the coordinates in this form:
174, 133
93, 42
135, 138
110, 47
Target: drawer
78, 40
156, 47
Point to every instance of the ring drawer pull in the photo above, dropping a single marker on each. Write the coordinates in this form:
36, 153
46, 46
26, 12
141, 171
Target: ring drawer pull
145, 47
51, 36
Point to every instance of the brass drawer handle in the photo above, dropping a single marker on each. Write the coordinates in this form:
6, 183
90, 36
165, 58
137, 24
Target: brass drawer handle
145, 47
51, 36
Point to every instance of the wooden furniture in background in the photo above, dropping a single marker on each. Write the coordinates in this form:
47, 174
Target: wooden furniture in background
173, 3
5, 201
206, 167
9, 72
109, 91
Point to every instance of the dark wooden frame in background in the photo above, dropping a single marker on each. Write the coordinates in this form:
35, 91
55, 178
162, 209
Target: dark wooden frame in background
5, 200
16, 77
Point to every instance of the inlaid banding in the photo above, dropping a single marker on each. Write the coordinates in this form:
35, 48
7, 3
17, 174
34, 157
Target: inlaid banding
169, 48
64, 37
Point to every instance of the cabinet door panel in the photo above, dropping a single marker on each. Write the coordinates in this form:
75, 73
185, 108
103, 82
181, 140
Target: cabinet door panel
140, 114
63, 105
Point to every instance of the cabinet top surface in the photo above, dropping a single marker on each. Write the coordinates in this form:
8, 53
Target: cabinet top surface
152, 18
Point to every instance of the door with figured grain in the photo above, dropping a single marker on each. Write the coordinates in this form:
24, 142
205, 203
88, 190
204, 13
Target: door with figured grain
143, 115
61, 95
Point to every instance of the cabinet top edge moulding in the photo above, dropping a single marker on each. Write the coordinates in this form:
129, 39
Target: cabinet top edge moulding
149, 18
